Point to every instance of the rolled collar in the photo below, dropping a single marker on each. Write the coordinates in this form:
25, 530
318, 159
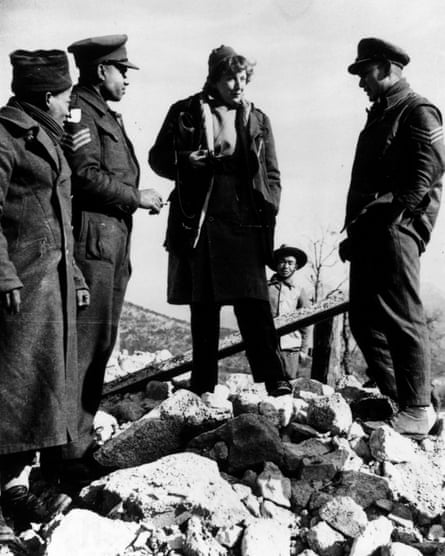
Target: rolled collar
392, 96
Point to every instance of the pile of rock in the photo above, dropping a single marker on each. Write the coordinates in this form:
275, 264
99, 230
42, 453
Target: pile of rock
239, 473
122, 363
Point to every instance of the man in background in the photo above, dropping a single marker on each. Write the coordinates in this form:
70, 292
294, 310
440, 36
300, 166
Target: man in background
286, 295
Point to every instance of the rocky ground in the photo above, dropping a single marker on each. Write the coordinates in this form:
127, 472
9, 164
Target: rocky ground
238, 473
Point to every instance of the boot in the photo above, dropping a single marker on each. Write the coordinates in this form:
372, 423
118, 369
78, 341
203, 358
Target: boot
415, 421
24, 507
279, 388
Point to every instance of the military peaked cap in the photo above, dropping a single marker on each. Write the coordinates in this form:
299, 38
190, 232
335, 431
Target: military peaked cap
39, 71
97, 50
373, 50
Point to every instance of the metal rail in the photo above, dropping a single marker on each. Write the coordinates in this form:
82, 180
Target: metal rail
229, 345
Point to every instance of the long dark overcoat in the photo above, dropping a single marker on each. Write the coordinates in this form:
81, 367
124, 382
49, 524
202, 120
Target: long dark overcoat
237, 252
38, 368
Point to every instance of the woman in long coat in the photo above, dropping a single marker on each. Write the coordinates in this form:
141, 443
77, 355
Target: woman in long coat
38, 376
219, 149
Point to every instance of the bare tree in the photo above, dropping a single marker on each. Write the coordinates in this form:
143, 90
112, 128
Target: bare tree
323, 258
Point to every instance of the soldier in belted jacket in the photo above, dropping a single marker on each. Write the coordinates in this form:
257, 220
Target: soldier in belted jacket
392, 206
219, 150
105, 177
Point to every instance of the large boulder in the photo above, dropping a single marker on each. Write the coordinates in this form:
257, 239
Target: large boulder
251, 440
164, 489
162, 431
146, 440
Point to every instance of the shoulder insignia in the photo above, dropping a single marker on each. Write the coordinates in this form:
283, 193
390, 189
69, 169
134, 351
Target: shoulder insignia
74, 141
426, 136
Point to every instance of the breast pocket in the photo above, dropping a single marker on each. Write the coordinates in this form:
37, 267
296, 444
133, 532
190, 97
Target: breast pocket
111, 143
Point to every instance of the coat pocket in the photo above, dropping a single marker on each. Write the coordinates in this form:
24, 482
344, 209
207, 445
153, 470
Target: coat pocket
102, 240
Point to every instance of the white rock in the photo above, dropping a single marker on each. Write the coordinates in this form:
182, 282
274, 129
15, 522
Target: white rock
436, 533
345, 515
400, 549
273, 485
200, 542
325, 541
157, 490
105, 426
299, 410
229, 536
376, 535
386, 444
264, 537
82, 533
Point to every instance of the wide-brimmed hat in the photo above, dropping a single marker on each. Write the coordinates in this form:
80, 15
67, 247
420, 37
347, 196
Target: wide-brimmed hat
375, 50
289, 251
39, 71
97, 50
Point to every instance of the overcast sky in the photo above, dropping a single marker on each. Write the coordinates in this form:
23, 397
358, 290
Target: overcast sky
302, 49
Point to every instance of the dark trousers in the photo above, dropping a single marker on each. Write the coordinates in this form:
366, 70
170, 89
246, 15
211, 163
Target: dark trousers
257, 330
107, 273
386, 313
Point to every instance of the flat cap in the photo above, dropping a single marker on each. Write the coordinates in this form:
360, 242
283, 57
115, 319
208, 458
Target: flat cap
97, 50
373, 50
39, 71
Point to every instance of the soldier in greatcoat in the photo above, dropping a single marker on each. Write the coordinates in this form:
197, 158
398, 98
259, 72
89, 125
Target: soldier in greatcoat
38, 279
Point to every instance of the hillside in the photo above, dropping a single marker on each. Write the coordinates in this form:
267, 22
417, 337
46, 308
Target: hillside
142, 329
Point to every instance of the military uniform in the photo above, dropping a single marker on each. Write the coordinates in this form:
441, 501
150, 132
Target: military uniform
392, 206
105, 177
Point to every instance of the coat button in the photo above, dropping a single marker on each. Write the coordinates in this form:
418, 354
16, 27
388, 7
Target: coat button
211, 219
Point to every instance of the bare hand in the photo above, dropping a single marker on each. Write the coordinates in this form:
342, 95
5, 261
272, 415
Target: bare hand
11, 300
151, 200
82, 298
199, 159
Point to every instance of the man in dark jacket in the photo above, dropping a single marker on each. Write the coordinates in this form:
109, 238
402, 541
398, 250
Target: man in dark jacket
105, 176
392, 206
219, 149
